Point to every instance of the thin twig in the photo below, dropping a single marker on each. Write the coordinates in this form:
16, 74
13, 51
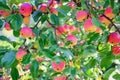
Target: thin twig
37, 23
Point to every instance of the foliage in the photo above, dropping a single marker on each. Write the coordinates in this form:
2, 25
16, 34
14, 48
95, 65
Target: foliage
59, 39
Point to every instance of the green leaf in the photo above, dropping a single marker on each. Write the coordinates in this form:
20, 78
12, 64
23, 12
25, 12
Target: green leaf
34, 2
15, 21
65, 8
73, 72
91, 63
66, 53
26, 59
111, 3
116, 76
44, 18
89, 50
96, 22
36, 15
106, 61
18, 1
16, 33
1, 23
8, 59
83, 4
34, 68
47, 53
106, 4
3, 51
14, 74
3, 6
54, 19
3, 38
94, 37
61, 13
108, 73
36, 31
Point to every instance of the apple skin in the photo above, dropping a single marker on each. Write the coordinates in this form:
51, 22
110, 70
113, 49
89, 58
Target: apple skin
81, 15
114, 38
26, 32
26, 9
58, 67
116, 50
109, 12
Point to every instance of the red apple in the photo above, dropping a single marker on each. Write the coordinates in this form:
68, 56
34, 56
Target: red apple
58, 67
21, 52
26, 9
109, 12
116, 50
114, 38
81, 15
26, 32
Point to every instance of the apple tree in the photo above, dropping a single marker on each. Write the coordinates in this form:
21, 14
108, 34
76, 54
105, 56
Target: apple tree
59, 39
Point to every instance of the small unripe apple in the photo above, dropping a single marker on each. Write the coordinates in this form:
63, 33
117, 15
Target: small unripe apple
58, 67
89, 26
7, 26
114, 38
21, 52
26, 9
81, 15
116, 50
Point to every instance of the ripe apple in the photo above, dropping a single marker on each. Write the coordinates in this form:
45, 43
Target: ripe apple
26, 9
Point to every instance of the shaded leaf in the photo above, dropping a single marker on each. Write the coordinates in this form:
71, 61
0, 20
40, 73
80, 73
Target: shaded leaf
34, 68
8, 59
3, 38
14, 74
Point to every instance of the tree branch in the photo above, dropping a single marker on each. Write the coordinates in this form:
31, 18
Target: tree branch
105, 17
